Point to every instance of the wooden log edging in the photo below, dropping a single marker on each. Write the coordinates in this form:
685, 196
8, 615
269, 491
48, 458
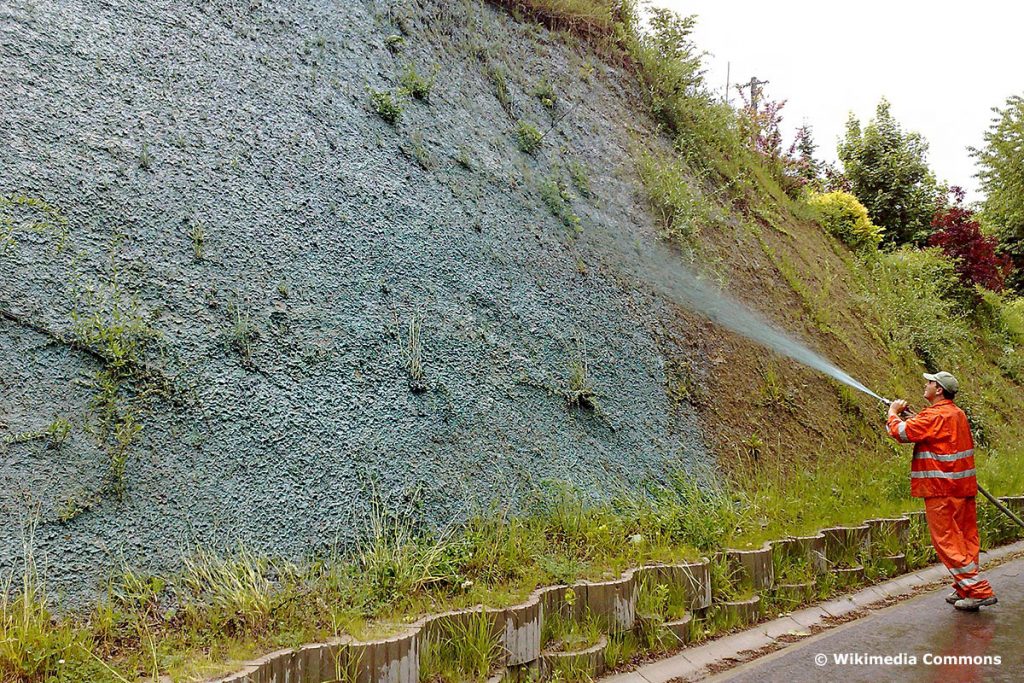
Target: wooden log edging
395, 659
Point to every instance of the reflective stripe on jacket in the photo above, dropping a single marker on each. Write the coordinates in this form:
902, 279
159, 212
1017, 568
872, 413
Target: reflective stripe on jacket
943, 463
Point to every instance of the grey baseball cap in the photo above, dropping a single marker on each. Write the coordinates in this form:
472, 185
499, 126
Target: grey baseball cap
944, 380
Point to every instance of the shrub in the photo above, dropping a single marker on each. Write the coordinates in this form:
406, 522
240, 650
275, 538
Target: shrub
959, 236
844, 217
669, 68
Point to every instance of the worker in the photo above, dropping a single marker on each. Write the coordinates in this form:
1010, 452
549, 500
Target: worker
942, 472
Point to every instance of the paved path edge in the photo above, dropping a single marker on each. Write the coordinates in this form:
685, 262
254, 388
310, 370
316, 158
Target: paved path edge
700, 661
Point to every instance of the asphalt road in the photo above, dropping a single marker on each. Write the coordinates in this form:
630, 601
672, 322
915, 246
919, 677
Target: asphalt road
914, 634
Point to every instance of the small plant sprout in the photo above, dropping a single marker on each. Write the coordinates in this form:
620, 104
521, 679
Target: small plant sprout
501, 91
419, 151
243, 334
579, 392
528, 137
544, 92
414, 357
580, 177
416, 85
197, 233
387, 106
145, 157
394, 43
557, 198
55, 434
462, 158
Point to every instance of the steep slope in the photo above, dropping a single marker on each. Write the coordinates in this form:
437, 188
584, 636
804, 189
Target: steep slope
288, 248
240, 306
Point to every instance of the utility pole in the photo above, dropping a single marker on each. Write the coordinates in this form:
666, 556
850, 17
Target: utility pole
755, 90
728, 68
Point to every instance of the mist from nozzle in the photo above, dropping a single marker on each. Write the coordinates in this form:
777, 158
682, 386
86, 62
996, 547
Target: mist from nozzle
663, 270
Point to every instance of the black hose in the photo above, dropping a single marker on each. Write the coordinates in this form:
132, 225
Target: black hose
1005, 510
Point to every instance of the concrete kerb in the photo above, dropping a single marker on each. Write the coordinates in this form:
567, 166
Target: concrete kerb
395, 659
693, 663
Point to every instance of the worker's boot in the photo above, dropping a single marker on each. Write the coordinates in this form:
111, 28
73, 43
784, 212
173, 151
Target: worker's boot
953, 597
972, 604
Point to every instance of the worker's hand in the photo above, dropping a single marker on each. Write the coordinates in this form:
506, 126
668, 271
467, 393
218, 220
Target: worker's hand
897, 407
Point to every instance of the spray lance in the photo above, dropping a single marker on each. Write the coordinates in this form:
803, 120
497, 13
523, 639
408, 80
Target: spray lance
660, 267
907, 412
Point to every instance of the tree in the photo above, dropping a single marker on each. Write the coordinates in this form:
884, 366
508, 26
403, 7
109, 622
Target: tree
959, 236
1001, 172
801, 154
887, 172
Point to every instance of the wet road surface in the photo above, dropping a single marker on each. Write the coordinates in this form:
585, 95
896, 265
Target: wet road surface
914, 634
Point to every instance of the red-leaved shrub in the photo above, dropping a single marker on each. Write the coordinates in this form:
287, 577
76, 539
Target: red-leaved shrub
959, 235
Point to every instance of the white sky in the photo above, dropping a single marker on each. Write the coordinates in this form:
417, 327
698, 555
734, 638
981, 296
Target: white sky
942, 65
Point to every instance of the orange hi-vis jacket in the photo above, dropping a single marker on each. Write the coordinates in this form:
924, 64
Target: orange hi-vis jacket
943, 463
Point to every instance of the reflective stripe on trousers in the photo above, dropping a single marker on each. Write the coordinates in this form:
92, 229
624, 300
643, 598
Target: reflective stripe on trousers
953, 525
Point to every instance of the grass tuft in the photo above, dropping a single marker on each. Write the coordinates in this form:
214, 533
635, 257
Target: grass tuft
387, 106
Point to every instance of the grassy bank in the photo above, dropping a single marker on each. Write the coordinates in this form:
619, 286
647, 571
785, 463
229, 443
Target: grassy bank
227, 607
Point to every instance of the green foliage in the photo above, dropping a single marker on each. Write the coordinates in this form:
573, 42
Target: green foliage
621, 648
242, 334
686, 511
914, 293
995, 528
773, 389
496, 74
417, 85
558, 199
33, 645
54, 434
679, 208
725, 580
844, 217
463, 159
466, 650
889, 175
387, 106
232, 593
545, 92
580, 178
117, 332
197, 233
1001, 172
395, 561
792, 569
579, 393
528, 137
20, 213
145, 158
706, 130
568, 634
419, 151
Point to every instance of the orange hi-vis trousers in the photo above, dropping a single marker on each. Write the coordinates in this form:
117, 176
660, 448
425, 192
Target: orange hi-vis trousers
953, 523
